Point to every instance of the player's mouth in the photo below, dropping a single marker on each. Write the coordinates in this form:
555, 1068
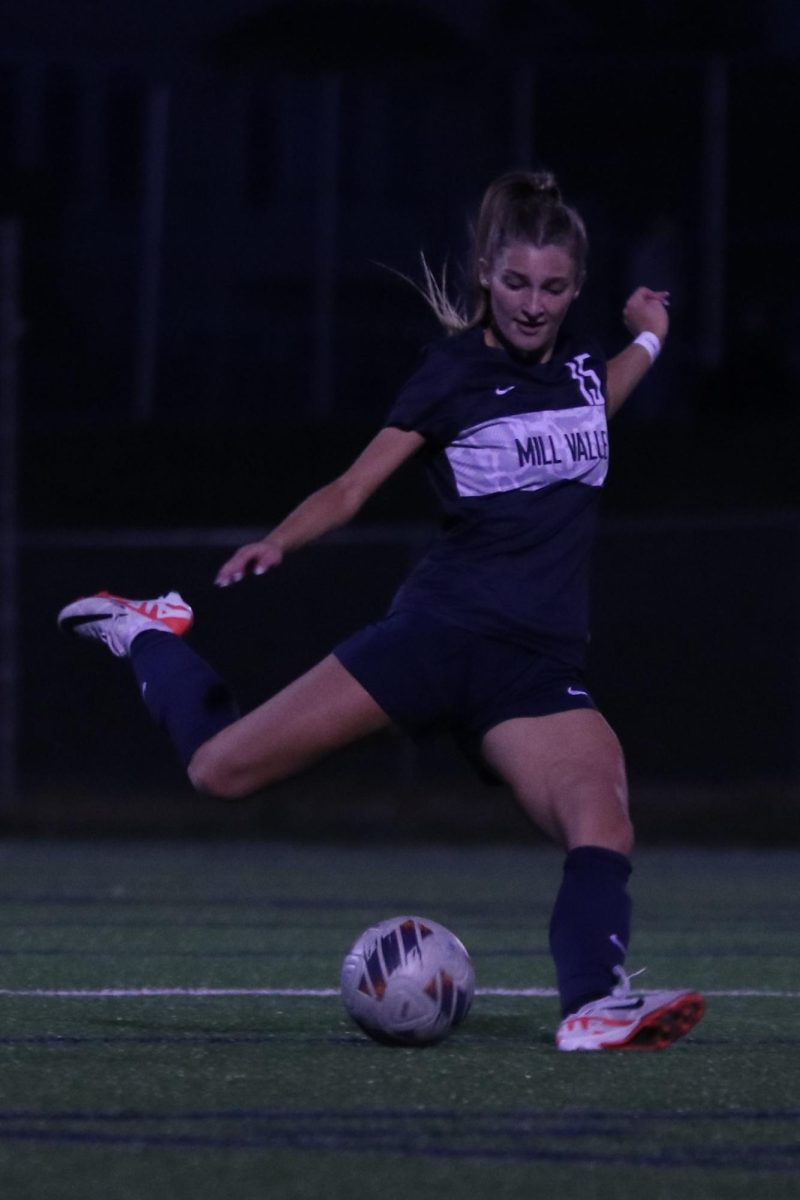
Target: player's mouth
529, 328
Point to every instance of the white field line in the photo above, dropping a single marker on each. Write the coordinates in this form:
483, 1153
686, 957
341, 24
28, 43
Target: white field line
203, 993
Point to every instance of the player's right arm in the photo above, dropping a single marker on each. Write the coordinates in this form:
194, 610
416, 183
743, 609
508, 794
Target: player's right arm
328, 508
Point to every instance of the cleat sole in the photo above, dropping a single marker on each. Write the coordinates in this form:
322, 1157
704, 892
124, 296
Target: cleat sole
660, 1028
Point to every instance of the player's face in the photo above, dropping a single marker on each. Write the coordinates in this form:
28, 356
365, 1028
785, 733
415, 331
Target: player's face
530, 289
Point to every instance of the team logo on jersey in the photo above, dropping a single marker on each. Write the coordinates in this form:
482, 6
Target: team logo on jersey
587, 379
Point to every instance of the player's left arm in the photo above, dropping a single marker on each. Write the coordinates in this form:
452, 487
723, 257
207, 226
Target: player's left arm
645, 312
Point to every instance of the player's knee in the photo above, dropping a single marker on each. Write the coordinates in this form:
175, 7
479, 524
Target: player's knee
212, 775
611, 831
595, 814
605, 810
623, 836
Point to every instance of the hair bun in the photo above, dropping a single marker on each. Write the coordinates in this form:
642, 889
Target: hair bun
543, 183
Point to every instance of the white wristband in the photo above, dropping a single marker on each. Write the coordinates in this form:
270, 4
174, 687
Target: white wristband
650, 342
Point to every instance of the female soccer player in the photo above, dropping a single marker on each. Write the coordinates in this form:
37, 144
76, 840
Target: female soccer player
488, 634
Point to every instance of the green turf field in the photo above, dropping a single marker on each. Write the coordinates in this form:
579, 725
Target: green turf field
186, 1078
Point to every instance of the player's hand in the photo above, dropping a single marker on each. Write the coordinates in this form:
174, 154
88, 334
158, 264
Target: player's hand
646, 310
253, 559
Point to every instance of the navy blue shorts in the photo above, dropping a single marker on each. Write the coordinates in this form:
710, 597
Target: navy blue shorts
427, 674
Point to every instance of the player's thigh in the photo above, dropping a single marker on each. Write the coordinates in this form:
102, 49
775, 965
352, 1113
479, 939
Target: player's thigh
568, 772
320, 711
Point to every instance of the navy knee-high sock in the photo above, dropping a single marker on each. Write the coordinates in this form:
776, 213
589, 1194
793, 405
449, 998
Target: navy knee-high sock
590, 925
182, 692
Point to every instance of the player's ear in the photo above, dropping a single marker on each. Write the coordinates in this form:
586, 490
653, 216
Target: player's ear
483, 272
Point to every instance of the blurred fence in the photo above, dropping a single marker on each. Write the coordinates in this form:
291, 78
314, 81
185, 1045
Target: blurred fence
694, 660
203, 241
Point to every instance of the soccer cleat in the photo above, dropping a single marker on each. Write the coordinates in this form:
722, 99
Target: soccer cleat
626, 1020
117, 621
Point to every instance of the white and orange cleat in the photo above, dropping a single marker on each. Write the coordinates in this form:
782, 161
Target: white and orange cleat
626, 1020
116, 621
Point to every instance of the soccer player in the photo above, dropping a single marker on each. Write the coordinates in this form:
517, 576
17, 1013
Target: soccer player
488, 635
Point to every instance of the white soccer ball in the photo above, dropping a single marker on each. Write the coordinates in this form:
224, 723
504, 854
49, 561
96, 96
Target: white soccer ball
407, 981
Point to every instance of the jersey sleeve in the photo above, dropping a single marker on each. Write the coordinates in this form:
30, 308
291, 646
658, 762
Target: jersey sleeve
423, 403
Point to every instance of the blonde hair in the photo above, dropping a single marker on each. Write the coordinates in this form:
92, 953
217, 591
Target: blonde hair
521, 206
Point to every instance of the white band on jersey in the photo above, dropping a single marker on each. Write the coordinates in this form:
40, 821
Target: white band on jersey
650, 342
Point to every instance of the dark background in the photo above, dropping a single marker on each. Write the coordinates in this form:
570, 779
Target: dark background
212, 201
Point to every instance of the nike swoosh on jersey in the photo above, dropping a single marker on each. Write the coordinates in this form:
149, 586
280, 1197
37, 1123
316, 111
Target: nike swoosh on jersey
502, 391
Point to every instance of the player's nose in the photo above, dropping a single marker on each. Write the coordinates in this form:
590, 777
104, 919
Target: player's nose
532, 304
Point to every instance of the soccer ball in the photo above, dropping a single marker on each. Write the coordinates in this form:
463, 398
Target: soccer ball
407, 981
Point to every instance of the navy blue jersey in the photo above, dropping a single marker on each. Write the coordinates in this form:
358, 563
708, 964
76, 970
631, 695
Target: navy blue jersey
517, 452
